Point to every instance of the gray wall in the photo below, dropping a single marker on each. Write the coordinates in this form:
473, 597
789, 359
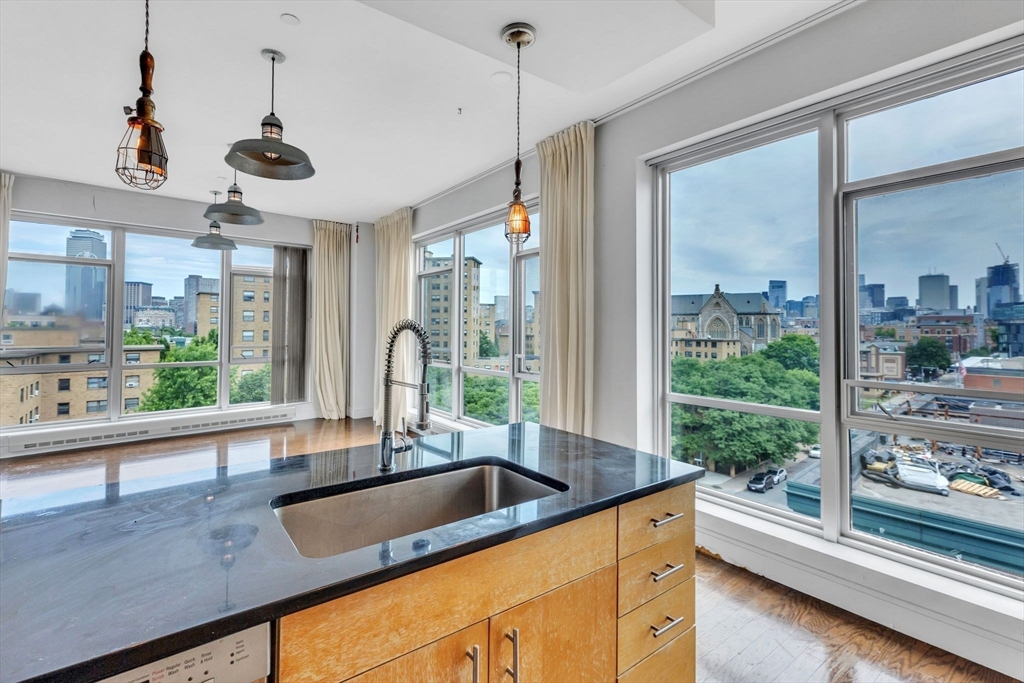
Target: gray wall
864, 44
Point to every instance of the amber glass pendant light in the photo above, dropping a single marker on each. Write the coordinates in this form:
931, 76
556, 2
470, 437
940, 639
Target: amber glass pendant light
141, 156
517, 225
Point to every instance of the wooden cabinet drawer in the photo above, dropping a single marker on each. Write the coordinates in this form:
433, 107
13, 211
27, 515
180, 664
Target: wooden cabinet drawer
355, 633
447, 660
636, 630
674, 663
647, 574
671, 510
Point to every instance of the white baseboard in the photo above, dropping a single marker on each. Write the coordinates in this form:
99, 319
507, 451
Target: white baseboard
360, 413
967, 620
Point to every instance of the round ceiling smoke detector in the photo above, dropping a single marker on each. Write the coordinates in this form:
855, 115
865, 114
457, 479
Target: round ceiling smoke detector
501, 77
519, 34
290, 19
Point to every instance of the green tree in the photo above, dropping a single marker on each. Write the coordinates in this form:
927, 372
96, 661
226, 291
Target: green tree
993, 335
731, 438
485, 398
928, 352
137, 337
795, 352
982, 351
177, 387
487, 348
885, 332
250, 387
440, 381
531, 401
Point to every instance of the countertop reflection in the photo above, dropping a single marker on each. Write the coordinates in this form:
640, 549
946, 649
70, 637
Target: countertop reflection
97, 579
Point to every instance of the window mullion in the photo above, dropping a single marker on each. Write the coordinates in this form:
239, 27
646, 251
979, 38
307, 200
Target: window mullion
225, 303
116, 312
458, 270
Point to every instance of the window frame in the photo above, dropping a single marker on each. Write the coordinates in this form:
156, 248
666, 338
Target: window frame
457, 234
113, 363
838, 298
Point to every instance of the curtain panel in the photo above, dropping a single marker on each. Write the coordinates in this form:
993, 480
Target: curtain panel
288, 331
332, 258
567, 279
393, 236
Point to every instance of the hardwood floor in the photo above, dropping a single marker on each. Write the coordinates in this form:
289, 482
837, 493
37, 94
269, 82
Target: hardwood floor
752, 629
749, 628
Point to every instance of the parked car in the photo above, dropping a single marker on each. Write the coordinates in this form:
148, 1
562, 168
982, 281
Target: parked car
778, 474
815, 451
761, 482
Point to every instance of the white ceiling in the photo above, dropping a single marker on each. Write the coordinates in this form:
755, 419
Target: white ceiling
373, 99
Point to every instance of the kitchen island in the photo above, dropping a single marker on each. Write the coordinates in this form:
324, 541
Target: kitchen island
91, 586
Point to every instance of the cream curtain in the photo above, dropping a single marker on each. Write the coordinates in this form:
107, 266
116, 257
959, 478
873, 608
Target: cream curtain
393, 236
567, 279
6, 190
332, 254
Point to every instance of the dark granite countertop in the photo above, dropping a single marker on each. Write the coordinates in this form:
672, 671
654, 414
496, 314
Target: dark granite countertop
92, 585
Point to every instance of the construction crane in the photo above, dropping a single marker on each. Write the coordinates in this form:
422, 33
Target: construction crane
1006, 259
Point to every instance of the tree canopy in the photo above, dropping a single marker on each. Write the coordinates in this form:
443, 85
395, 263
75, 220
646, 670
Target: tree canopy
137, 337
485, 398
743, 439
250, 387
487, 348
189, 387
928, 352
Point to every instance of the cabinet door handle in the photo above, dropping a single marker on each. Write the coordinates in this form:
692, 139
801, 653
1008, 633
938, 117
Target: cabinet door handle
672, 569
474, 654
514, 671
672, 622
670, 518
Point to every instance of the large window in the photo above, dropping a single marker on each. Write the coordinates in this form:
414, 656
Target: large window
743, 355
162, 348
477, 297
879, 403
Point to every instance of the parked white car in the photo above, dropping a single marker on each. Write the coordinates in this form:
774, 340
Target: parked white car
815, 451
778, 474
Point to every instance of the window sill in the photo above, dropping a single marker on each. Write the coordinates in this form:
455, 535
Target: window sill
977, 624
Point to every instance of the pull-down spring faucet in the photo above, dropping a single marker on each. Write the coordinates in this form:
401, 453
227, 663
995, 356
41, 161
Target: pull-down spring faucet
387, 434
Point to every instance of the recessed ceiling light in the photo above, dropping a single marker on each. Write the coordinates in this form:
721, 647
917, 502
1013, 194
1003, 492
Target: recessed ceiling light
290, 19
501, 77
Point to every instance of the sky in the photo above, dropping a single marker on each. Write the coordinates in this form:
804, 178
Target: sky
163, 261
741, 220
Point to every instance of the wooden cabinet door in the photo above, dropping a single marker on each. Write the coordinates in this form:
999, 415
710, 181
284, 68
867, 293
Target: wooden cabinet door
458, 658
565, 635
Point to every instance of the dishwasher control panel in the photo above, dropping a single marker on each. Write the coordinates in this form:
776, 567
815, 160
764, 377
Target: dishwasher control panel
243, 657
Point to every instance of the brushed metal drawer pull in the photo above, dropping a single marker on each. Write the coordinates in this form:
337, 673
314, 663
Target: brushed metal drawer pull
514, 671
672, 569
475, 656
672, 622
670, 518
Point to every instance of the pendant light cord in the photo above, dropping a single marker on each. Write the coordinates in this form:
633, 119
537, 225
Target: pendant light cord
147, 25
519, 51
273, 65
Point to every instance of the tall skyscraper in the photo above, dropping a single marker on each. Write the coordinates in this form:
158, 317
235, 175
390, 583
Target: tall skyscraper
1003, 284
85, 287
178, 305
954, 296
981, 296
777, 293
197, 284
136, 295
933, 291
876, 295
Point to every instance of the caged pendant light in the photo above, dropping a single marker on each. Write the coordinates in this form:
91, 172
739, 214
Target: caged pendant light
268, 156
233, 210
141, 156
517, 225
213, 239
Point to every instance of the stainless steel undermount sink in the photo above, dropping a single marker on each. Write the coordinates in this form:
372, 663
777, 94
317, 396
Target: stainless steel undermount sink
326, 522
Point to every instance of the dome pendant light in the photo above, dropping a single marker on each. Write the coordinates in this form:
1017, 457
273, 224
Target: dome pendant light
213, 239
517, 225
233, 210
141, 156
268, 156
